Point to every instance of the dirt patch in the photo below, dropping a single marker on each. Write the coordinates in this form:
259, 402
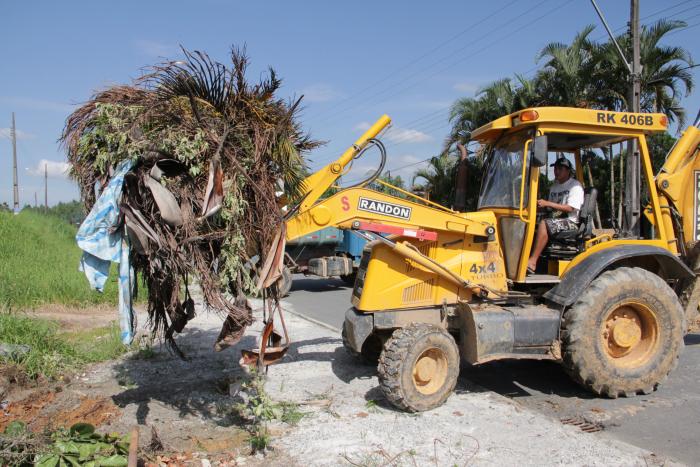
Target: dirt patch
28, 410
14, 376
72, 318
50, 409
95, 411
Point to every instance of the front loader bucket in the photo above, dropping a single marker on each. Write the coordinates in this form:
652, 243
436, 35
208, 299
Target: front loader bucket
270, 350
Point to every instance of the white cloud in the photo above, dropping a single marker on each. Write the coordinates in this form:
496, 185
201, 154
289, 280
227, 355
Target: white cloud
362, 126
155, 48
54, 169
320, 93
6, 133
407, 135
407, 159
467, 87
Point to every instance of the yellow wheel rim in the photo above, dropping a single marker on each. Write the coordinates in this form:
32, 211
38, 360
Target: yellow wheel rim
430, 371
630, 334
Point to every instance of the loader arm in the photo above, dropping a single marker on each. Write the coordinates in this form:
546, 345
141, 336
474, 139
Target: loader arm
359, 206
316, 184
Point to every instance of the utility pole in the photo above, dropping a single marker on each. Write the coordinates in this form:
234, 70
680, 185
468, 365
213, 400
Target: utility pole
15, 185
633, 206
46, 187
36, 203
630, 227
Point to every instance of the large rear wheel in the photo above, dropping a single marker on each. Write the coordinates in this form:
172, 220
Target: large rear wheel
419, 367
624, 334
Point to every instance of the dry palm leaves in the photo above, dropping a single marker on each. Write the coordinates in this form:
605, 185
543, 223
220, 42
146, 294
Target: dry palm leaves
210, 150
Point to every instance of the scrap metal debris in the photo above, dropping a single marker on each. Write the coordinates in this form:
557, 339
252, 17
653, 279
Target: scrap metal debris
209, 151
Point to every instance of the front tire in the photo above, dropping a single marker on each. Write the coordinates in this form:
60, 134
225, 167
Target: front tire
419, 367
624, 334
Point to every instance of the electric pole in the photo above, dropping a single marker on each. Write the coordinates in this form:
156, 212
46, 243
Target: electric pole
633, 206
630, 227
46, 187
15, 185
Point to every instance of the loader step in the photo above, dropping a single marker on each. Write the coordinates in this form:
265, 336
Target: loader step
542, 279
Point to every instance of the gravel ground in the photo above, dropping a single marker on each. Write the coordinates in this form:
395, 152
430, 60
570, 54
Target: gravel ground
346, 422
349, 422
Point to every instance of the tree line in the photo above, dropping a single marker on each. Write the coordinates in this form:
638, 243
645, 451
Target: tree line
586, 74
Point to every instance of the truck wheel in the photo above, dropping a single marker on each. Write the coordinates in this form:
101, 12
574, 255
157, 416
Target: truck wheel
418, 367
624, 334
349, 279
371, 348
284, 284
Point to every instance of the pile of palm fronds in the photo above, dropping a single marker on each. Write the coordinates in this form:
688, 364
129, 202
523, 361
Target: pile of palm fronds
210, 150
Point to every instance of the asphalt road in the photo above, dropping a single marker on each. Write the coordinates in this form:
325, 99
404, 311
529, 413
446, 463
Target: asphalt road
666, 422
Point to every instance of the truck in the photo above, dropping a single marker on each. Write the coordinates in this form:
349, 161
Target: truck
329, 252
436, 286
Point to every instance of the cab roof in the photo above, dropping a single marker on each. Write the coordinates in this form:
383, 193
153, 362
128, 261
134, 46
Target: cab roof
580, 119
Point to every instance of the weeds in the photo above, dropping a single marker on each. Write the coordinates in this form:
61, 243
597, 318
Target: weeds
372, 406
259, 409
51, 352
19, 446
80, 445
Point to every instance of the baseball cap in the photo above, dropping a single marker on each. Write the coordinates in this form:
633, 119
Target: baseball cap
564, 162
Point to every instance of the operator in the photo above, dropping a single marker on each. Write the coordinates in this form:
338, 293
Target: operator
565, 200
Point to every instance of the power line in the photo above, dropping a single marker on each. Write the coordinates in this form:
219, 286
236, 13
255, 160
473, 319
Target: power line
432, 116
416, 60
495, 30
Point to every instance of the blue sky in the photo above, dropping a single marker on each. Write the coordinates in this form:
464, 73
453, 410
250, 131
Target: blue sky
353, 61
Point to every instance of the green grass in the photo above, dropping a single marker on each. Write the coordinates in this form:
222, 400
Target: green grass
53, 352
39, 264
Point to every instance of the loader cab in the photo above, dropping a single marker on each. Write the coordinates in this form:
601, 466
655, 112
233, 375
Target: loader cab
518, 150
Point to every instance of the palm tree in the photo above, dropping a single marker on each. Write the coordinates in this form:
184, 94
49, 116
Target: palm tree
499, 98
568, 75
439, 178
665, 76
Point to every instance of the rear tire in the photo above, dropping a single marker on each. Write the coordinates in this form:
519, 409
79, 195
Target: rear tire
419, 367
624, 334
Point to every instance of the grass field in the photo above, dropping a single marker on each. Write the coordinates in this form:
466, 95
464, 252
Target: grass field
39, 264
53, 352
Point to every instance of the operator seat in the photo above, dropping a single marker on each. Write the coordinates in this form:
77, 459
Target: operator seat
567, 244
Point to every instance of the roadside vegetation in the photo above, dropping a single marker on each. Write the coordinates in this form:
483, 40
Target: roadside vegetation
37, 348
79, 445
40, 263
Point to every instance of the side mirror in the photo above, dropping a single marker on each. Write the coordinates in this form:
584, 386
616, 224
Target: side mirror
539, 151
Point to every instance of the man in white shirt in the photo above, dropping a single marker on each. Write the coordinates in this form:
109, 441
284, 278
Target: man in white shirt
565, 200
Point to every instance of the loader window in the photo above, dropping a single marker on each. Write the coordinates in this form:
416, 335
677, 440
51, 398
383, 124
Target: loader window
500, 186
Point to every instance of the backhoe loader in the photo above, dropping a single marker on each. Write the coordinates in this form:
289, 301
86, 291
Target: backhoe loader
436, 286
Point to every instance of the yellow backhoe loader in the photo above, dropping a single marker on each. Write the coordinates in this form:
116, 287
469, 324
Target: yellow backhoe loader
436, 285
